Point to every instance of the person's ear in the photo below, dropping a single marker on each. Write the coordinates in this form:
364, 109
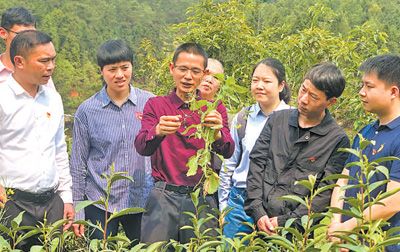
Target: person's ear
394, 91
281, 86
3, 33
171, 68
19, 62
332, 101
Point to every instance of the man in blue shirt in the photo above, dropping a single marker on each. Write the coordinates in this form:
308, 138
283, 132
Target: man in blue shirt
105, 128
379, 95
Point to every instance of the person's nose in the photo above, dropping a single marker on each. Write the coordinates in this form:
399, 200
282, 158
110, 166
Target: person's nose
260, 85
119, 73
362, 92
51, 65
304, 98
188, 74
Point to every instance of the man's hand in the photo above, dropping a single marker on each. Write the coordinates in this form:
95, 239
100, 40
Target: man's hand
214, 121
267, 225
3, 196
69, 215
336, 228
79, 229
168, 125
274, 222
332, 228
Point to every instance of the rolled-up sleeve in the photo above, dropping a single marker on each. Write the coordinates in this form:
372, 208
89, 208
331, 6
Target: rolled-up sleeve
228, 168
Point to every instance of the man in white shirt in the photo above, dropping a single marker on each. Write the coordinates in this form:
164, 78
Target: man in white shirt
14, 21
33, 152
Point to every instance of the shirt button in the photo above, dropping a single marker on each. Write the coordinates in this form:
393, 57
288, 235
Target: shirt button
376, 132
123, 126
307, 137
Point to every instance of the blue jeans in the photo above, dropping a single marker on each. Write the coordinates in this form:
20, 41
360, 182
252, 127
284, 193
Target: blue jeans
236, 218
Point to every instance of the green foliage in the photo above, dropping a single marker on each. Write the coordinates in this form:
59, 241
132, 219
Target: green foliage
237, 33
369, 233
112, 242
209, 180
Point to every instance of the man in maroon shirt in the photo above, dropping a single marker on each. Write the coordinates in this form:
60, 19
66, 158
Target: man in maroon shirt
163, 137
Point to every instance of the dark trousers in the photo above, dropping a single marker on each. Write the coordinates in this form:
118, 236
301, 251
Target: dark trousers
165, 215
35, 212
130, 223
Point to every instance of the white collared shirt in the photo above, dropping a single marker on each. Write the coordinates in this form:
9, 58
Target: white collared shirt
33, 152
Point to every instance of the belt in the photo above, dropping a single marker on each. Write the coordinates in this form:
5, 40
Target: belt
32, 197
175, 188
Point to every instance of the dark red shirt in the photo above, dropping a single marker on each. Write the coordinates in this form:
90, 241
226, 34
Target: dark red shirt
169, 154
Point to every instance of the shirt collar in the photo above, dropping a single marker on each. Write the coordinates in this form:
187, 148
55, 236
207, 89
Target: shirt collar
256, 109
2, 66
393, 124
321, 129
18, 89
105, 99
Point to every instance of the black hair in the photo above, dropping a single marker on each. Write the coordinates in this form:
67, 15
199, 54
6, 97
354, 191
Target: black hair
279, 71
17, 16
386, 67
193, 48
114, 51
328, 78
26, 41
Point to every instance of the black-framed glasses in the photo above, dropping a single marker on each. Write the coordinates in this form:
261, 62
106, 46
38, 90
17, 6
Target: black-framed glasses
195, 71
9, 30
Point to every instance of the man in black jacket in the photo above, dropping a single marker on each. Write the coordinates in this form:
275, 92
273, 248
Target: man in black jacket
293, 145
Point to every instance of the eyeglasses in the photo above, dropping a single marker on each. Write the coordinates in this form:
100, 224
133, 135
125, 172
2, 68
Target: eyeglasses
196, 72
9, 30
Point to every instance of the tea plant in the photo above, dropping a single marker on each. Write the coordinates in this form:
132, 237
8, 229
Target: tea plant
119, 242
210, 180
369, 234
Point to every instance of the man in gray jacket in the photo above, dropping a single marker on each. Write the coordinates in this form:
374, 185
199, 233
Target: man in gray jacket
294, 144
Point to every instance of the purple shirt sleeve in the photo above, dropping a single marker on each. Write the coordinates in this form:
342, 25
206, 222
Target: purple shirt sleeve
146, 141
170, 154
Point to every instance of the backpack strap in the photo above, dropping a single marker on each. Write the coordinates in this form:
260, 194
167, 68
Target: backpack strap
241, 130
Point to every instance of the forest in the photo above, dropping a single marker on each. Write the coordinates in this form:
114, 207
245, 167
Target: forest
300, 33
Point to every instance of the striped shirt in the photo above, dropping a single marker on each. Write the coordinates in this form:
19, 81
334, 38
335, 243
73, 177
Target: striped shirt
103, 135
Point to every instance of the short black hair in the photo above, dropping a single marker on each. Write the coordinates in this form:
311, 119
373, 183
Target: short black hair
17, 16
328, 78
26, 41
114, 51
386, 67
280, 73
193, 48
